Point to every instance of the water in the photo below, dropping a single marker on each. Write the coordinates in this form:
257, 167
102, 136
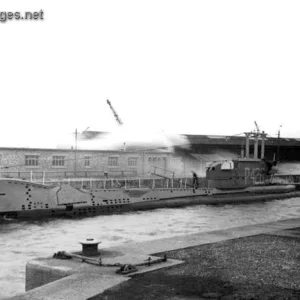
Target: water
23, 241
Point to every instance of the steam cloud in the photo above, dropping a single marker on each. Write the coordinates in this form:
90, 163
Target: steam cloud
131, 138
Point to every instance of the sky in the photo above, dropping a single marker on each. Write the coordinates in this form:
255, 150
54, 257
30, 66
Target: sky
180, 67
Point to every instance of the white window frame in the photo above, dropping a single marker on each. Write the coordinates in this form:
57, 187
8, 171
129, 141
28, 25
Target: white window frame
111, 159
58, 161
87, 161
32, 160
132, 162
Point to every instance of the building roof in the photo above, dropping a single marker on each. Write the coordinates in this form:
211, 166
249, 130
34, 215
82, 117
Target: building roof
82, 150
238, 140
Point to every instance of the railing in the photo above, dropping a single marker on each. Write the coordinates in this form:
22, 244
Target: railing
124, 183
52, 175
102, 179
158, 171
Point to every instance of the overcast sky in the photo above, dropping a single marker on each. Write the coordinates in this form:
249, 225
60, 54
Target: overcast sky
196, 67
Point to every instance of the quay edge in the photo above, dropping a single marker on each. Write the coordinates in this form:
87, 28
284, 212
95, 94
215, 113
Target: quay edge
49, 278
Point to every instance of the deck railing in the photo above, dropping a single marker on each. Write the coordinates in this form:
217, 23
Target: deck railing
51, 175
125, 183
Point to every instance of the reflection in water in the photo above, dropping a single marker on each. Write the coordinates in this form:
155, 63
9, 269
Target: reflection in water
21, 242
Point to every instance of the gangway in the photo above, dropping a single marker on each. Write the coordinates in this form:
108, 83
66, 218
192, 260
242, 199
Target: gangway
172, 178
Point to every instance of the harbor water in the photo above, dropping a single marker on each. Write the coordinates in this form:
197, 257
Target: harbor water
23, 241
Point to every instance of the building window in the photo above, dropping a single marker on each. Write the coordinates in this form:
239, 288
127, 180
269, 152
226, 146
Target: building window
58, 161
87, 161
132, 161
150, 159
31, 160
113, 161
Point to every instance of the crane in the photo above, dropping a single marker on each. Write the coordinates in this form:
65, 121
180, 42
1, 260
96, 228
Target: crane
118, 120
257, 128
115, 113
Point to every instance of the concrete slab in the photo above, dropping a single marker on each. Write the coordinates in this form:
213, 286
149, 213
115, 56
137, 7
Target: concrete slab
185, 241
41, 272
79, 286
93, 280
146, 269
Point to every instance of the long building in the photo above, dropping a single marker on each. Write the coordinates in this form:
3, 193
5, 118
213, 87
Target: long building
37, 163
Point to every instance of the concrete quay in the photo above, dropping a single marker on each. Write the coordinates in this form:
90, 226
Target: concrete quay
50, 278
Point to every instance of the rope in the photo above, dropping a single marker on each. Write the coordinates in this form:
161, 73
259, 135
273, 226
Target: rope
98, 261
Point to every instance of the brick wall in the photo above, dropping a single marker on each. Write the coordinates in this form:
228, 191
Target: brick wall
12, 162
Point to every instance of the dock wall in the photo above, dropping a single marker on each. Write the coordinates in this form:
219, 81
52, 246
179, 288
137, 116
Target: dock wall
48, 278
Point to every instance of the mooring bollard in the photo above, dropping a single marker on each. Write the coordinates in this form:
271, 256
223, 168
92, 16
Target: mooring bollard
90, 247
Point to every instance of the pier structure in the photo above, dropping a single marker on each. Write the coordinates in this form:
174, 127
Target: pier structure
76, 278
218, 144
258, 136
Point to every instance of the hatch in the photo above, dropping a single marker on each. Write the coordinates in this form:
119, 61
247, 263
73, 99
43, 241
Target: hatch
227, 165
